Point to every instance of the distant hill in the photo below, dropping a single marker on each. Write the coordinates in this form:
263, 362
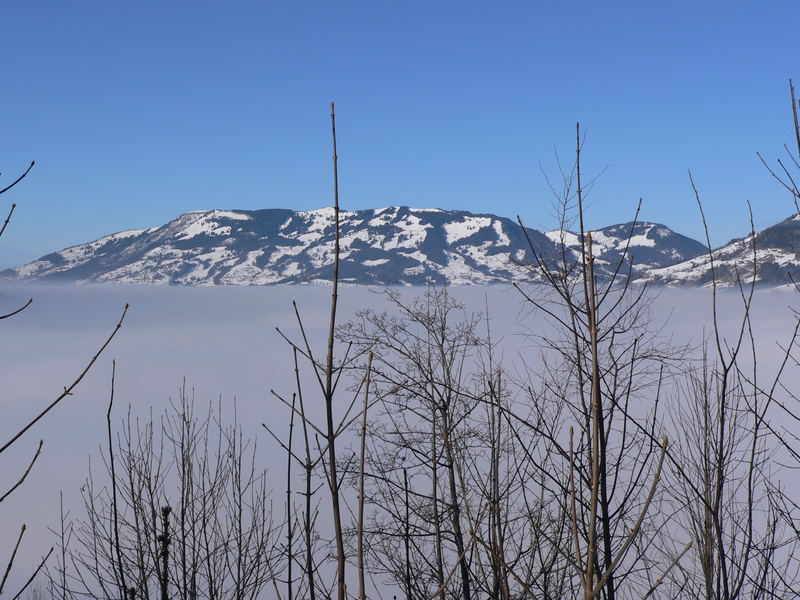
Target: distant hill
777, 251
397, 245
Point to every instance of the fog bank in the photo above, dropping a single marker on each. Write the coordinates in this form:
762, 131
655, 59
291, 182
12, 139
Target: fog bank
223, 341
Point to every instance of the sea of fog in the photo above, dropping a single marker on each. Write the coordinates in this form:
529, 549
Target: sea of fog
223, 342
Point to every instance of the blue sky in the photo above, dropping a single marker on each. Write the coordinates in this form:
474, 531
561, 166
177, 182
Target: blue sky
138, 111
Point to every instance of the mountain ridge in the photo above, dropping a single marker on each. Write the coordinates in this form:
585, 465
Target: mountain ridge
396, 245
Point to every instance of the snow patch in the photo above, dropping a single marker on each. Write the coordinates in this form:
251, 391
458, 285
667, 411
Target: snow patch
458, 230
410, 235
122, 235
229, 214
567, 237
502, 238
638, 240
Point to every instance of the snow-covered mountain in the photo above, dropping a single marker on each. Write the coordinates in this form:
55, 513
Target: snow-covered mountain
394, 245
650, 246
777, 253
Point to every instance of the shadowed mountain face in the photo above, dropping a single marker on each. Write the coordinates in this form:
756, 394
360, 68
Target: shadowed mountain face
388, 246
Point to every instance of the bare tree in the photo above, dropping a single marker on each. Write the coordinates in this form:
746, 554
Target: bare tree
309, 461
338, 417
421, 374
603, 370
184, 513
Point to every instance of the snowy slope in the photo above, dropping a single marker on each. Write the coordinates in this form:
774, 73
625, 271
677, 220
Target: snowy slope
777, 257
388, 246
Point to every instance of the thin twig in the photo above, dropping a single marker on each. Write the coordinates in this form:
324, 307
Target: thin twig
20, 309
67, 390
13, 555
33, 575
16, 181
25, 474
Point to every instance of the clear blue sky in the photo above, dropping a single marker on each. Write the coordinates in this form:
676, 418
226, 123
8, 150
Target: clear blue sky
138, 111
